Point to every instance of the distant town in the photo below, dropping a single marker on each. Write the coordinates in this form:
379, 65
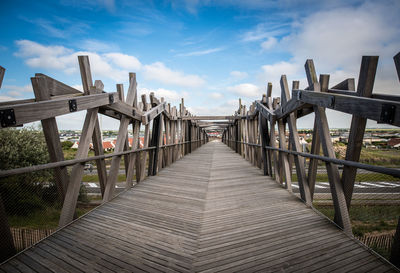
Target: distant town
373, 138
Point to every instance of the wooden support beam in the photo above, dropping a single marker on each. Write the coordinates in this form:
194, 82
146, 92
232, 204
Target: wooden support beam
347, 84
2, 72
316, 142
277, 166
263, 127
209, 117
121, 96
51, 134
284, 163
132, 158
299, 161
338, 197
87, 84
71, 197
155, 141
119, 146
397, 64
35, 111
387, 97
146, 136
366, 108
364, 89
153, 112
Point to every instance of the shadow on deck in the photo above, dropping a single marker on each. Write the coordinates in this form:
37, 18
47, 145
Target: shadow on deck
210, 211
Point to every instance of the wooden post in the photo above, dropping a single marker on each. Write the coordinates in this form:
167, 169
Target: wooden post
264, 142
87, 83
119, 146
51, 134
316, 143
71, 196
277, 167
395, 252
155, 142
298, 160
146, 107
364, 89
338, 197
121, 96
2, 72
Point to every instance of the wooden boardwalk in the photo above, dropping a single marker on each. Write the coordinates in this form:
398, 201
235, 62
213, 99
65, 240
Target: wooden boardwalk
211, 211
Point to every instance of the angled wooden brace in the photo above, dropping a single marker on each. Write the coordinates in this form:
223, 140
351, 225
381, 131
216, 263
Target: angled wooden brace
119, 146
294, 135
87, 84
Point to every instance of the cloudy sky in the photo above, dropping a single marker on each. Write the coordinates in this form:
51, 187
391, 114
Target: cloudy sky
208, 52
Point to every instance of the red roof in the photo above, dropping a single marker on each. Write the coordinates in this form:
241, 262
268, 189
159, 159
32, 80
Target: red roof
107, 145
393, 141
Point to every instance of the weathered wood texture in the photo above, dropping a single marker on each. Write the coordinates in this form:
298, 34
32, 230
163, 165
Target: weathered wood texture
211, 211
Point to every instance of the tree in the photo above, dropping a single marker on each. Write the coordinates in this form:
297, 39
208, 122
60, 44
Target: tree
25, 193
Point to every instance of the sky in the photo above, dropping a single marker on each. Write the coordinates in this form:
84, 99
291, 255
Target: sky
211, 53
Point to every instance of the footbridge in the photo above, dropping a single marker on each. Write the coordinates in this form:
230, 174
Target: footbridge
192, 204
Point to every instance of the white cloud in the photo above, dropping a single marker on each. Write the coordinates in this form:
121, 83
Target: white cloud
337, 38
64, 59
245, 89
239, 75
6, 98
97, 46
269, 43
124, 61
159, 72
264, 31
272, 72
170, 96
201, 52
216, 95
16, 88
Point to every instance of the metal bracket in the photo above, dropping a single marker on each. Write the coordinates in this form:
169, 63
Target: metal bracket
111, 98
133, 112
7, 117
332, 101
72, 106
387, 113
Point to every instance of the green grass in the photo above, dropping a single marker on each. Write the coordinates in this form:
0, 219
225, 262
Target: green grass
368, 218
43, 219
361, 177
383, 157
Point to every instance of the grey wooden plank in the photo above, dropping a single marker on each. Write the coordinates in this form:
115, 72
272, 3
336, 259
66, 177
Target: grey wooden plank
209, 211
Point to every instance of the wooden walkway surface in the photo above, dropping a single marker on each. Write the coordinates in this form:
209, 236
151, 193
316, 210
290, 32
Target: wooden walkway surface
209, 212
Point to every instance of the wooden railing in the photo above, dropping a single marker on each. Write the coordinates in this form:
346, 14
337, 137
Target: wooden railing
173, 135
253, 132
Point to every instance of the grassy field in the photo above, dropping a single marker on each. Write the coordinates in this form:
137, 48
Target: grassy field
95, 178
361, 177
368, 219
41, 219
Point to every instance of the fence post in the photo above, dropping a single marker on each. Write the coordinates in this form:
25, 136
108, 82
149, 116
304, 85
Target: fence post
364, 89
395, 252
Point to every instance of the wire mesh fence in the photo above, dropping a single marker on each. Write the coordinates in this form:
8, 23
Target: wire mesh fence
375, 205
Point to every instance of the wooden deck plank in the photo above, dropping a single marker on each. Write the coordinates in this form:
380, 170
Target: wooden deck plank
209, 211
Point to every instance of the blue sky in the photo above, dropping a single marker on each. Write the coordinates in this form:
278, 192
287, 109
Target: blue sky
209, 52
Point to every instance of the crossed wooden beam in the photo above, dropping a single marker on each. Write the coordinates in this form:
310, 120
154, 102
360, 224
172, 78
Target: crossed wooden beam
54, 98
244, 137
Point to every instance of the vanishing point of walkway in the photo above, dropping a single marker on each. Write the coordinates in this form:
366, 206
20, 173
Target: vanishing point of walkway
211, 211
